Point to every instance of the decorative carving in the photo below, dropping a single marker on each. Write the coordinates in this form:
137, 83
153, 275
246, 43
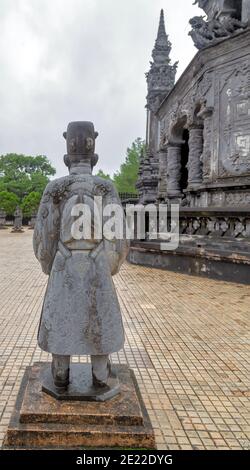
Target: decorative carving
162, 186
205, 33
186, 107
237, 199
160, 81
80, 268
234, 145
194, 160
174, 170
148, 179
161, 77
215, 226
246, 11
206, 114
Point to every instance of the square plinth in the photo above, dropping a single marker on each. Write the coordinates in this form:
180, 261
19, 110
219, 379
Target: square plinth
41, 421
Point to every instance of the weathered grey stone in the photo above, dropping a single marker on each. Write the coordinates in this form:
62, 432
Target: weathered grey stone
2, 218
246, 11
195, 153
224, 18
174, 170
18, 219
160, 81
33, 221
217, 96
203, 125
81, 313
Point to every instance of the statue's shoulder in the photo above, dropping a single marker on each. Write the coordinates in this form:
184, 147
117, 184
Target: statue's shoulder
57, 188
103, 187
56, 183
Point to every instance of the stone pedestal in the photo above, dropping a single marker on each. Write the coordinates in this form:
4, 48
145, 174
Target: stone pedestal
40, 421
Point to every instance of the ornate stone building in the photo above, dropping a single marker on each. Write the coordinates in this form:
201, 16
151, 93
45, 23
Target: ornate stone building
198, 142
160, 81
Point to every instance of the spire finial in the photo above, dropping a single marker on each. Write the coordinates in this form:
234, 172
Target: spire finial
161, 29
162, 47
161, 76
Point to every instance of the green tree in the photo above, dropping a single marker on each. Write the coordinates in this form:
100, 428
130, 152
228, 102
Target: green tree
103, 175
2, 185
12, 164
8, 202
125, 179
31, 203
22, 174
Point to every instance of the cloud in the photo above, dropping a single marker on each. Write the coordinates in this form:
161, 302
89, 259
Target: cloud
81, 60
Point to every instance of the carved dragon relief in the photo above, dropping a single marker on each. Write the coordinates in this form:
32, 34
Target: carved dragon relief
234, 103
222, 22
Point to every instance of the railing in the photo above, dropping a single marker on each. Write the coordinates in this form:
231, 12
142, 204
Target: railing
124, 196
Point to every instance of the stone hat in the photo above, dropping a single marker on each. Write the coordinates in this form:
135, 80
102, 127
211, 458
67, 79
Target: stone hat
80, 138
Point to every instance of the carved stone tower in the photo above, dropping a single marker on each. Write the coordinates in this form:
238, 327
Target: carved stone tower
160, 81
161, 76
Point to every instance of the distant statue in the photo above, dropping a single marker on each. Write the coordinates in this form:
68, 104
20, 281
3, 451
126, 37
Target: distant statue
18, 220
81, 314
33, 221
2, 218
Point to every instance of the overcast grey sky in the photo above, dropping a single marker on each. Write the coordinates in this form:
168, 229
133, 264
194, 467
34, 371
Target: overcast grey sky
67, 60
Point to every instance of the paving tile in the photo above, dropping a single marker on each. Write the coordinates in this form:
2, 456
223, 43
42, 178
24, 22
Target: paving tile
186, 339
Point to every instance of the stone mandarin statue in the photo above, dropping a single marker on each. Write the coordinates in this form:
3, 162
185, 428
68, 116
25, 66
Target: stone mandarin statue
81, 313
18, 220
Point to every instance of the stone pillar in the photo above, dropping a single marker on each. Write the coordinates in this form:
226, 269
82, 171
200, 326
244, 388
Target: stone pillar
245, 11
162, 188
194, 159
174, 170
206, 114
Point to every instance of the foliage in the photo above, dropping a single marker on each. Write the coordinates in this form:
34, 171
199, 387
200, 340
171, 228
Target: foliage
21, 174
8, 202
31, 203
125, 179
12, 165
22, 181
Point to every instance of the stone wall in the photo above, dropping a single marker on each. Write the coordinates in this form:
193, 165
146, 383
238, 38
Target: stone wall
214, 109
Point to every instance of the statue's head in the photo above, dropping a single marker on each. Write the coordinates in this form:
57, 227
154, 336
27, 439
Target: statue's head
80, 138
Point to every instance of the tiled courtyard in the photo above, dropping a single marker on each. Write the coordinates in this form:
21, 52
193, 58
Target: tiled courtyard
187, 341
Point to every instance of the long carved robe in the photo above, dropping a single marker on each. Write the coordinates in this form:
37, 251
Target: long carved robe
81, 313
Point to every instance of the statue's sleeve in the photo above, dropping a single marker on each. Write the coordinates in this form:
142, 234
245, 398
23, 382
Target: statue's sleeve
47, 230
117, 249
